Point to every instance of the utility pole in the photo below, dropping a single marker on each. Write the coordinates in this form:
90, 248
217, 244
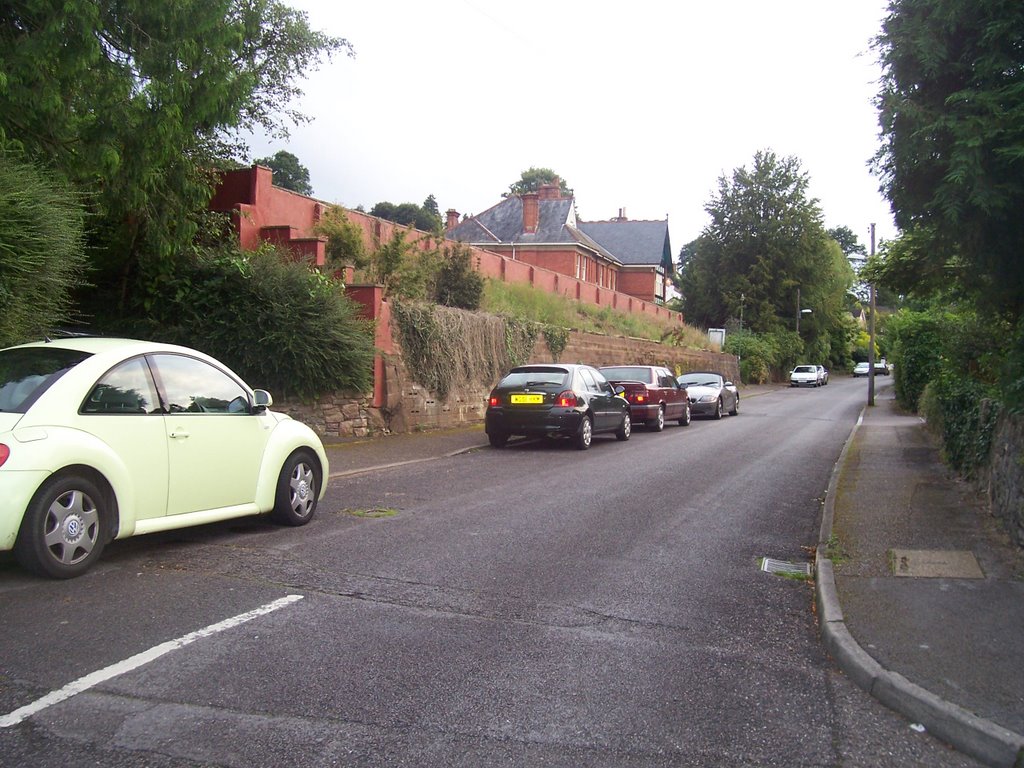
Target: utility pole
798, 310
871, 333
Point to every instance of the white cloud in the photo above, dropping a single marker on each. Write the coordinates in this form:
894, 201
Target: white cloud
638, 105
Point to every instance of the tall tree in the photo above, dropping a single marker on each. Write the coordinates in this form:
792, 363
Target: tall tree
848, 242
533, 179
767, 249
409, 214
134, 102
289, 173
951, 111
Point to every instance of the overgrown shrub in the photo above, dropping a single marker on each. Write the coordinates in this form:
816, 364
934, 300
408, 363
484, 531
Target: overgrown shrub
917, 340
457, 283
277, 323
444, 346
41, 254
763, 356
963, 412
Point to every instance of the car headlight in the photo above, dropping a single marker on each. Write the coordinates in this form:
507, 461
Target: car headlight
707, 398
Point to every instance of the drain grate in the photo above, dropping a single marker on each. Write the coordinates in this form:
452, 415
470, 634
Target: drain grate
781, 566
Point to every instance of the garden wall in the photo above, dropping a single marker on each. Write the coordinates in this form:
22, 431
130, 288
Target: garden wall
407, 406
1004, 476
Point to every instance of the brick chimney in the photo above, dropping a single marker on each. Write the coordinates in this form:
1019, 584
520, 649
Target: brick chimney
531, 213
453, 219
551, 190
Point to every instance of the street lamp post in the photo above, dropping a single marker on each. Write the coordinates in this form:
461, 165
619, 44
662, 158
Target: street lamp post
799, 311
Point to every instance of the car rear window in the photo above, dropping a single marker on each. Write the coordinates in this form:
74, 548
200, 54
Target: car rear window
27, 372
627, 373
805, 369
535, 377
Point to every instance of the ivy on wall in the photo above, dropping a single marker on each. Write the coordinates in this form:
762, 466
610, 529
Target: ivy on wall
444, 346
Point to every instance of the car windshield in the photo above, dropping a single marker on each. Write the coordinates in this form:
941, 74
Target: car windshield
627, 373
700, 381
535, 377
27, 372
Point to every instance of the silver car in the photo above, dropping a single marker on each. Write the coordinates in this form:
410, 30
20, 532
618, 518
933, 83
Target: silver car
710, 394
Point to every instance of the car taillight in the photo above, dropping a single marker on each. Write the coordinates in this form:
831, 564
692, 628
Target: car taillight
640, 398
5, 452
494, 401
566, 399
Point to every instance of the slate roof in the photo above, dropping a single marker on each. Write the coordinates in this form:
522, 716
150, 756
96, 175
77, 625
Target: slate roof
636, 243
503, 223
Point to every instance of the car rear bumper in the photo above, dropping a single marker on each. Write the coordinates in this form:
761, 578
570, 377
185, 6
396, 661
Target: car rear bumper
643, 413
555, 421
16, 491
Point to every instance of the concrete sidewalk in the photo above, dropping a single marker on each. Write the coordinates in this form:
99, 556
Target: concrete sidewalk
921, 596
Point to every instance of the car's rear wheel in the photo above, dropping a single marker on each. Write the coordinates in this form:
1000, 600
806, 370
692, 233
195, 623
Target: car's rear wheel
585, 433
735, 407
497, 439
684, 420
626, 428
298, 487
659, 421
64, 529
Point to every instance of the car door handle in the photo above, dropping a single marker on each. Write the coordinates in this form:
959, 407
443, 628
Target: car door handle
179, 434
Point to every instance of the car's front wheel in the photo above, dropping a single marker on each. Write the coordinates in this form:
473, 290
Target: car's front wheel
64, 528
585, 434
298, 487
718, 409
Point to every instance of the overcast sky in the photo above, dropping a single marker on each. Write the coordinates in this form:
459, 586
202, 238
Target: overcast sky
638, 105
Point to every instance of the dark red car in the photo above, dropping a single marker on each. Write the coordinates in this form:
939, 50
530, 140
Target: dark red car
653, 394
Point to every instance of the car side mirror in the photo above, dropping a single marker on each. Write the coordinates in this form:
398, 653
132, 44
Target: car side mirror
261, 400
728, 384
619, 389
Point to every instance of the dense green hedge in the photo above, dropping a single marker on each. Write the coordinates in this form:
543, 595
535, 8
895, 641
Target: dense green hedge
277, 323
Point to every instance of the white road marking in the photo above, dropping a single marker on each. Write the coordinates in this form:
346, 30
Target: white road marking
95, 678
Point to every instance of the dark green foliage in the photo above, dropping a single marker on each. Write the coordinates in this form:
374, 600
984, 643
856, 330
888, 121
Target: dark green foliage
951, 111
41, 256
278, 324
410, 215
963, 411
458, 284
917, 341
289, 173
765, 249
135, 101
763, 356
533, 179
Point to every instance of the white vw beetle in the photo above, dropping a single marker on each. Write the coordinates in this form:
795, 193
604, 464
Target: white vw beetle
109, 438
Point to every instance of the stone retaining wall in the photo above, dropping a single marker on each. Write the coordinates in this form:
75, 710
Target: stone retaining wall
1004, 476
408, 406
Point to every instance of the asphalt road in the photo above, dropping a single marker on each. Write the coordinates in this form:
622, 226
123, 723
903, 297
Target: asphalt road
529, 606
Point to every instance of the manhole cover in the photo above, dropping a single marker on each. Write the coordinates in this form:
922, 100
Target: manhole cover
935, 564
781, 566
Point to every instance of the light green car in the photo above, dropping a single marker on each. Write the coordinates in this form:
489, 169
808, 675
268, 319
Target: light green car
102, 439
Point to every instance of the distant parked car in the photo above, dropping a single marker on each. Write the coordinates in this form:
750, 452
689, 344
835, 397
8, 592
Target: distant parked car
574, 401
822, 375
861, 369
107, 438
653, 394
710, 394
881, 368
805, 376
